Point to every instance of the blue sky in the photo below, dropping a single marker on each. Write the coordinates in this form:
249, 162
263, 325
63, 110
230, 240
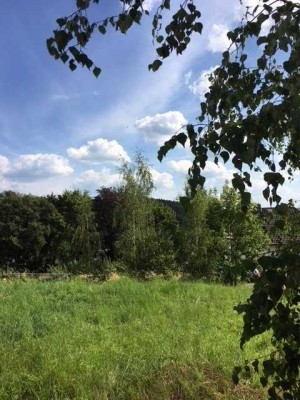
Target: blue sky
62, 130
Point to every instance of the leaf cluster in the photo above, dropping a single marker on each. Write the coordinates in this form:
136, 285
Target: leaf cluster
74, 32
274, 307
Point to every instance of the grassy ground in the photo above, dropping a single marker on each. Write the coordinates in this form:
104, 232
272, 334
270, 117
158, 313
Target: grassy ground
121, 340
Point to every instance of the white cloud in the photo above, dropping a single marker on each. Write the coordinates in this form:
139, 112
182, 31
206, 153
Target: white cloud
217, 39
187, 77
56, 185
242, 7
200, 86
3, 164
149, 4
218, 171
212, 171
249, 5
98, 151
160, 127
60, 97
215, 175
32, 167
92, 180
162, 180
181, 166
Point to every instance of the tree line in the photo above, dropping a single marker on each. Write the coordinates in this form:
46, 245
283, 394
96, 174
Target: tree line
208, 237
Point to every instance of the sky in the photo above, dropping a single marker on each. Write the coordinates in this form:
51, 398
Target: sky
68, 130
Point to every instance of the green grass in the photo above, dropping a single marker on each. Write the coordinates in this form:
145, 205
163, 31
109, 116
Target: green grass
121, 340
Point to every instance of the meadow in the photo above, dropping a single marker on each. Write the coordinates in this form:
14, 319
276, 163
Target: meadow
122, 339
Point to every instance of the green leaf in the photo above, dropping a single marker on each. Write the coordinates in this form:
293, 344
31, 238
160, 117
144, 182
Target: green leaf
61, 22
124, 22
266, 193
64, 57
72, 65
225, 156
102, 29
197, 27
96, 71
181, 138
62, 39
162, 152
83, 4
274, 178
163, 51
261, 40
243, 58
166, 4
155, 65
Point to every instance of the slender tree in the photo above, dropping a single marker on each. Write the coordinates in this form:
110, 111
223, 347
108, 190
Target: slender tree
244, 234
195, 238
141, 243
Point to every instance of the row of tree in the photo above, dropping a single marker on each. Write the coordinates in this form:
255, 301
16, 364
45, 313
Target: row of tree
212, 239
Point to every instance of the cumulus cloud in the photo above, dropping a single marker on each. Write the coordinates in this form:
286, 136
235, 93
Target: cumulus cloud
149, 4
201, 85
181, 166
160, 127
99, 151
218, 171
32, 167
3, 164
212, 170
240, 10
217, 39
92, 180
162, 180
215, 175
187, 77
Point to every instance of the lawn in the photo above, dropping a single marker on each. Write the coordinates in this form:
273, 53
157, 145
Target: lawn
122, 340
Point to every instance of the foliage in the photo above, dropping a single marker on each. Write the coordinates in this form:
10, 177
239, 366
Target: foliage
104, 205
142, 243
80, 240
274, 307
133, 214
245, 239
251, 113
74, 32
30, 229
164, 239
197, 241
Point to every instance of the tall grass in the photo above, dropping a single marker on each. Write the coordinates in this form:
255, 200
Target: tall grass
121, 340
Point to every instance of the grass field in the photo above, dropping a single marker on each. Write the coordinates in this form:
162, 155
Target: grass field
121, 340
